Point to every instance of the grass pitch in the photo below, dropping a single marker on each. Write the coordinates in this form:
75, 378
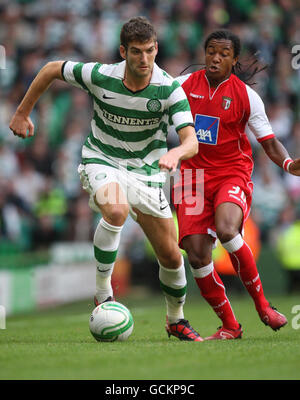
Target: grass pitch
56, 345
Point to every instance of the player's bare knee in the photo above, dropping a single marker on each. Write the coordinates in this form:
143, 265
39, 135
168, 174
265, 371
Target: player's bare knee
226, 232
116, 215
172, 260
198, 260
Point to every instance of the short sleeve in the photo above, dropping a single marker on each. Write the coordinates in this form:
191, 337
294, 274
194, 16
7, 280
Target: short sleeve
258, 121
78, 74
179, 108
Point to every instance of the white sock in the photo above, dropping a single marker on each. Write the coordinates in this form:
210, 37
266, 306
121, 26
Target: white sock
234, 244
203, 271
106, 243
173, 284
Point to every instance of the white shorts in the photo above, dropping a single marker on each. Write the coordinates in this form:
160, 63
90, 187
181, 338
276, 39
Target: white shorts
147, 199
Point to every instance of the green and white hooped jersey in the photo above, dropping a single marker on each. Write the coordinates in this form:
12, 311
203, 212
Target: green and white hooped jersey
129, 129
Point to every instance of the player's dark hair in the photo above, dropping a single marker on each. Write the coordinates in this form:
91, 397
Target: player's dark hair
246, 70
225, 34
137, 29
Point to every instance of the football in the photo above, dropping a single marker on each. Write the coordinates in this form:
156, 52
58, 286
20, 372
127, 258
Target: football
111, 321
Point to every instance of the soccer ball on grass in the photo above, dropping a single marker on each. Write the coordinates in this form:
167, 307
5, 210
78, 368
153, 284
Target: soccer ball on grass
111, 321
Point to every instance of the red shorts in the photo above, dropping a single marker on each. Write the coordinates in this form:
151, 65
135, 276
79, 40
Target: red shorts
195, 203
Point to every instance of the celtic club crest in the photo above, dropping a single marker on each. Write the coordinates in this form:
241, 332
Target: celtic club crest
154, 105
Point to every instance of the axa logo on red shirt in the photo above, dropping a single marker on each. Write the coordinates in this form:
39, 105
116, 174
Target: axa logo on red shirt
207, 129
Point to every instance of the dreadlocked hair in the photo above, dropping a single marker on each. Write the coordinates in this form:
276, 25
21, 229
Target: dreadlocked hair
245, 70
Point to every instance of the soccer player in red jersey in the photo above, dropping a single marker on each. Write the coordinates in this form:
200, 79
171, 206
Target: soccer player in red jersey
224, 107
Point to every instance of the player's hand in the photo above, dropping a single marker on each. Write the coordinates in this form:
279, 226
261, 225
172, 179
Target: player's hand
169, 161
20, 125
294, 167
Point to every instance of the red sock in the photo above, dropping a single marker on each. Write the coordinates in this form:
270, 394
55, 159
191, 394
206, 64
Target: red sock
213, 291
244, 264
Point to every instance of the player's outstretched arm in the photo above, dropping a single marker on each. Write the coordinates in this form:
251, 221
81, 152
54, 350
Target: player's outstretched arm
21, 123
188, 148
280, 156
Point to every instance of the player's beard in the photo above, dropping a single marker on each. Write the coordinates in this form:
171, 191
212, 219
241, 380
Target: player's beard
136, 69
142, 71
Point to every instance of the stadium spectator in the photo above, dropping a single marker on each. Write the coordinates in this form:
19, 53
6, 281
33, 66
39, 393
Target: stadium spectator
9, 165
286, 238
40, 156
270, 195
15, 213
80, 226
28, 183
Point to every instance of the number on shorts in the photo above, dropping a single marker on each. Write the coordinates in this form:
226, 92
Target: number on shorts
237, 191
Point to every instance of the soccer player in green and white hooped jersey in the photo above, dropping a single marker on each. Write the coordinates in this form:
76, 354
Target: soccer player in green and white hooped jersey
129, 129
125, 157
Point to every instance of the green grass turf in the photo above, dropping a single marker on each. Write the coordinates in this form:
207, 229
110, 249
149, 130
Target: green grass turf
57, 344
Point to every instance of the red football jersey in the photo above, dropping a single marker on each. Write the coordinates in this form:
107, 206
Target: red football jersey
221, 117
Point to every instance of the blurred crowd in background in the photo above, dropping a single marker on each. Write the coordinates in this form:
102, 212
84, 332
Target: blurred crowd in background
41, 200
